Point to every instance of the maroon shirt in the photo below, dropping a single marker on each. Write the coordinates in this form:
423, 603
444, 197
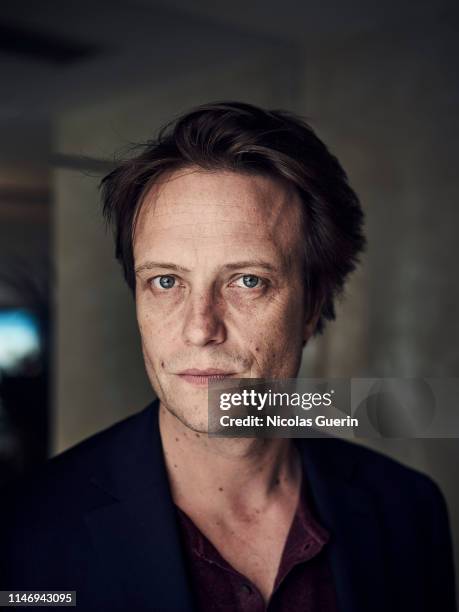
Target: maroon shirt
303, 582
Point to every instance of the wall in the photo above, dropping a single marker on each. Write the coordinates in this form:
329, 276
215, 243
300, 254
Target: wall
386, 103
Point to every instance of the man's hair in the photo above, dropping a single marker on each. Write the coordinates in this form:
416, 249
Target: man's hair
247, 139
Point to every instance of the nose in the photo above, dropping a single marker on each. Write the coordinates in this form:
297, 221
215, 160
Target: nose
203, 323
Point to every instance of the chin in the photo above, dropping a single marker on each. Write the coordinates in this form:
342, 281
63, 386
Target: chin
199, 425
194, 417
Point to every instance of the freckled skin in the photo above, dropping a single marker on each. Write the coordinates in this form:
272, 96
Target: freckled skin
201, 221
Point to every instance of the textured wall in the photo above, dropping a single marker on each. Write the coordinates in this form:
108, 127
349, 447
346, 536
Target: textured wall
387, 105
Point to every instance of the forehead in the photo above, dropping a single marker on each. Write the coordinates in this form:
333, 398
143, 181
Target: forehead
218, 209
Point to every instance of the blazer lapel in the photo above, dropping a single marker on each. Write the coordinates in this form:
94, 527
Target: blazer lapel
356, 547
137, 533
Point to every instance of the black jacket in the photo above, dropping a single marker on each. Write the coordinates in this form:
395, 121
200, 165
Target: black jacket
99, 519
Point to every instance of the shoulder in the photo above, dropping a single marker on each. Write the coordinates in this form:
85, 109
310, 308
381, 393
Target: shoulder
412, 513
382, 476
375, 467
62, 486
43, 529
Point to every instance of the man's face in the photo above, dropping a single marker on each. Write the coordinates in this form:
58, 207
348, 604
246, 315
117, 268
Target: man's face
218, 284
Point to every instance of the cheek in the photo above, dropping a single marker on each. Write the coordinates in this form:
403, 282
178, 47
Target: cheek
151, 319
279, 318
152, 334
274, 331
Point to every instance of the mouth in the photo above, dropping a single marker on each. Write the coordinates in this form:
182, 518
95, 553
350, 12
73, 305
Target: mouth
201, 378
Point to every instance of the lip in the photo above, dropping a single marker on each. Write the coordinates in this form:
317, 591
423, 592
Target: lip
201, 378
207, 372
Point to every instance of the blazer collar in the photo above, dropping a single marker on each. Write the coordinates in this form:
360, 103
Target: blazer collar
344, 506
137, 531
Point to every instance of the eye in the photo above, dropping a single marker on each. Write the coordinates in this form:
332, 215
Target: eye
250, 281
163, 282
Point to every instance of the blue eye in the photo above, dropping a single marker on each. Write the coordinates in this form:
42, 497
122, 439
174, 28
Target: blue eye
250, 280
165, 282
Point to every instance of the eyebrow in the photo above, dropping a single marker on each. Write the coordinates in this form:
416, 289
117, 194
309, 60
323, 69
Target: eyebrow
148, 265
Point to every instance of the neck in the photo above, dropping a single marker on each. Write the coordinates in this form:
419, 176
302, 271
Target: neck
237, 475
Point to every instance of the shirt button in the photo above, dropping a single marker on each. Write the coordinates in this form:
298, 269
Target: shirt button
246, 588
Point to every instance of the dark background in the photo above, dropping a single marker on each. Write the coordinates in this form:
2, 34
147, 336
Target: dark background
81, 81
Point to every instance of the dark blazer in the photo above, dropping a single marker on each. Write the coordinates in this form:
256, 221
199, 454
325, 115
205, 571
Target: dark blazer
99, 519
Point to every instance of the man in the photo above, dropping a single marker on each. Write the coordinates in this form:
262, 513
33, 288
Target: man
236, 229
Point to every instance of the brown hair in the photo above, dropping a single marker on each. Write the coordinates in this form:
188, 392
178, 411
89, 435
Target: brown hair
244, 138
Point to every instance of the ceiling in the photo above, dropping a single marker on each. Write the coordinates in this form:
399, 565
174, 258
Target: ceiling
57, 55
297, 21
